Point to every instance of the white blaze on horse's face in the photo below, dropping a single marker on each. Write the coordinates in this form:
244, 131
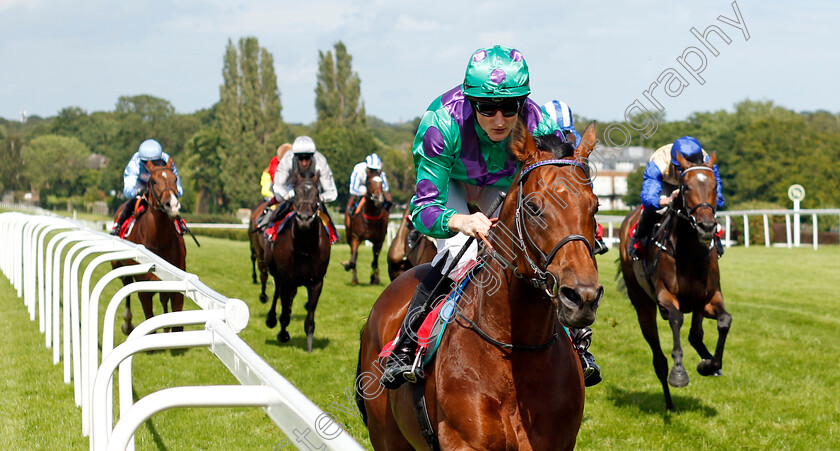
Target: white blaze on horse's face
377, 179
173, 206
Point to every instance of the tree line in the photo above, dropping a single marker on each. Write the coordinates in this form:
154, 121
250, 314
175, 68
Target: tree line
221, 151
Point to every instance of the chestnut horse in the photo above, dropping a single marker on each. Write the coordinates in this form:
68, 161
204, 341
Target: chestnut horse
501, 378
686, 278
257, 240
402, 257
299, 257
155, 229
371, 224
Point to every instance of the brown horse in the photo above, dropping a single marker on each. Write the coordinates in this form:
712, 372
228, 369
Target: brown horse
298, 257
257, 240
402, 257
686, 278
501, 378
156, 230
371, 224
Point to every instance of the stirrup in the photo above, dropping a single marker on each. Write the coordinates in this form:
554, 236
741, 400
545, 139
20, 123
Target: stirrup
416, 372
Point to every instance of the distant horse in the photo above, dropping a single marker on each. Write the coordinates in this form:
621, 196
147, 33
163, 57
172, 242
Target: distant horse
299, 257
686, 278
257, 240
155, 229
371, 224
402, 256
501, 378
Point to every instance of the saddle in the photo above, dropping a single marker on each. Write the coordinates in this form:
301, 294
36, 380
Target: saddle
278, 226
140, 207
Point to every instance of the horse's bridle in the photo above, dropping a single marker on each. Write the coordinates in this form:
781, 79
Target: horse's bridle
157, 196
541, 273
299, 201
689, 215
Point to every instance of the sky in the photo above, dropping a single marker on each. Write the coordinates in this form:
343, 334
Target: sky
599, 57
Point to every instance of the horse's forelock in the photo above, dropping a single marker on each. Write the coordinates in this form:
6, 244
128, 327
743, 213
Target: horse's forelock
555, 145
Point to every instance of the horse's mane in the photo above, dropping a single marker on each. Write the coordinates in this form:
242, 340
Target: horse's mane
554, 144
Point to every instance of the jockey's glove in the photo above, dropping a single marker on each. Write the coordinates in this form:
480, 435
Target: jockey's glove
289, 194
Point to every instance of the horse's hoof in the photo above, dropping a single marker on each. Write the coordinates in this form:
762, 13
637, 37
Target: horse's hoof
354, 282
283, 336
271, 321
309, 343
127, 328
678, 377
708, 368
348, 265
263, 298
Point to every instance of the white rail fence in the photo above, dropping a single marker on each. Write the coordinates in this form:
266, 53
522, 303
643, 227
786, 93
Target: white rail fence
68, 315
612, 223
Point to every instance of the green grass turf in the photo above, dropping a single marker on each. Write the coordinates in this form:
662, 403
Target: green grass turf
779, 388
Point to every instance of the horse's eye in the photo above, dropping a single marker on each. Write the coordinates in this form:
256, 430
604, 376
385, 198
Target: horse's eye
532, 209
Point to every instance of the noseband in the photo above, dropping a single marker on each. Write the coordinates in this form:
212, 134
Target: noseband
541, 273
689, 216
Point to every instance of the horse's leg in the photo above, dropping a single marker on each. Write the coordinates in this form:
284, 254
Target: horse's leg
678, 376
724, 321
287, 295
164, 301
271, 317
646, 314
263, 280
354, 253
177, 300
314, 293
374, 266
254, 267
127, 327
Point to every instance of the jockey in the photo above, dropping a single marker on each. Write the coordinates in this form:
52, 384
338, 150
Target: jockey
561, 113
661, 186
267, 178
136, 177
371, 167
461, 155
301, 158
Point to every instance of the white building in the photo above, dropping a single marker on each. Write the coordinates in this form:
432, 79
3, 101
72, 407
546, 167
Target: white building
611, 167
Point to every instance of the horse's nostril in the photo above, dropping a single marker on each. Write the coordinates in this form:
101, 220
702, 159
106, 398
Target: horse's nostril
571, 294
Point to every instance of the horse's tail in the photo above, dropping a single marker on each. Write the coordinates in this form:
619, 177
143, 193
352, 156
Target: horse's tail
360, 401
621, 284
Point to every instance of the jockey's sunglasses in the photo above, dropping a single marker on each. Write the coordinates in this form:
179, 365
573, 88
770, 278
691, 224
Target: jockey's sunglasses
304, 156
488, 108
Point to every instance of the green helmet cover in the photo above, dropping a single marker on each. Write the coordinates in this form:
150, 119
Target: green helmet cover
496, 72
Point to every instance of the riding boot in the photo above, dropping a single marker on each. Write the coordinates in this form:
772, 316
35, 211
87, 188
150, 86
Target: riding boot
642, 233
581, 339
265, 217
127, 211
334, 236
400, 366
351, 204
600, 247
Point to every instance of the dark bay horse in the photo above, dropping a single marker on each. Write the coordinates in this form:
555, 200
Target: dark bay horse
257, 241
402, 256
686, 279
521, 388
371, 224
299, 257
155, 229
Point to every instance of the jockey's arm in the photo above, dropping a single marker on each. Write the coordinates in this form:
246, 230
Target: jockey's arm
131, 178
281, 176
357, 181
266, 185
328, 191
177, 179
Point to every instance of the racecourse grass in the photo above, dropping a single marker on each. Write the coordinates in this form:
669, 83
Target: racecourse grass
778, 390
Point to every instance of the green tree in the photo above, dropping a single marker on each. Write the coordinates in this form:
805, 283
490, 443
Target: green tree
338, 93
202, 167
56, 164
249, 115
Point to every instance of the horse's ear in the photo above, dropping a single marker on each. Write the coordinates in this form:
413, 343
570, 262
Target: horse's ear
685, 164
169, 163
571, 138
587, 143
712, 160
522, 145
